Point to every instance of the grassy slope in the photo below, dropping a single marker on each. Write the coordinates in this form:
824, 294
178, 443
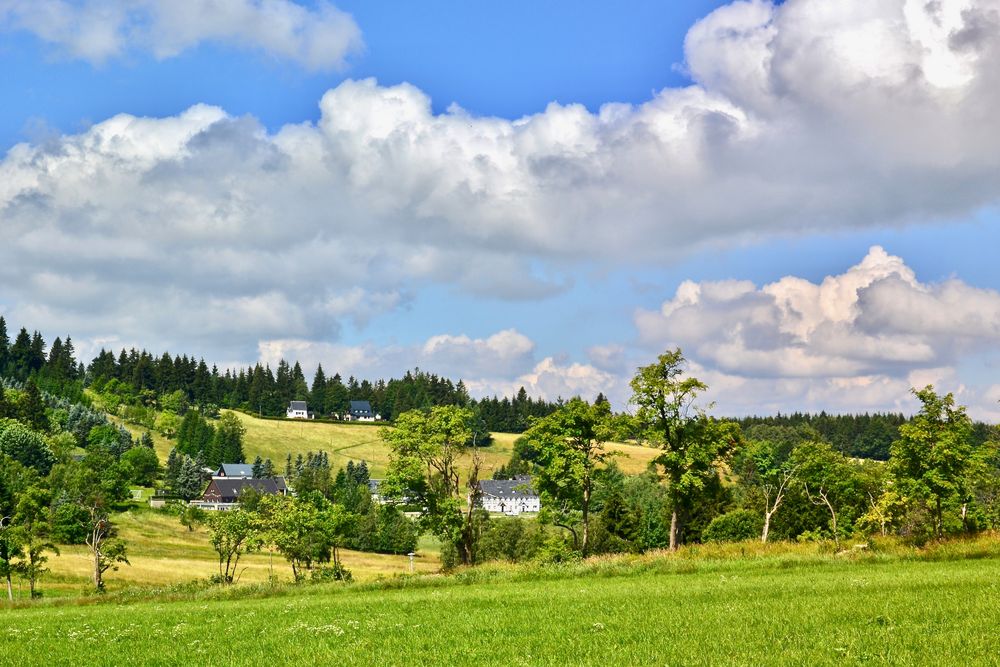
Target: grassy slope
773, 611
347, 442
162, 552
275, 439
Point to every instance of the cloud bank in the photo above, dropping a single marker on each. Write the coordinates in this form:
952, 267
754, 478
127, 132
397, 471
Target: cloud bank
858, 340
806, 116
318, 38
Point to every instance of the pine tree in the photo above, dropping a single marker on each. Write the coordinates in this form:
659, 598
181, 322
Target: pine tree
258, 467
19, 357
317, 398
267, 471
37, 355
174, 462
4, 346
146, 440
32, 408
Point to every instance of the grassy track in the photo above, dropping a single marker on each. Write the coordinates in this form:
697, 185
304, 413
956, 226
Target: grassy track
781, 612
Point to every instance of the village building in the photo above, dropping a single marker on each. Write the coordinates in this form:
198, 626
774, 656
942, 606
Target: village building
234, 471
361, 411
298, 410
223, 493
509, 496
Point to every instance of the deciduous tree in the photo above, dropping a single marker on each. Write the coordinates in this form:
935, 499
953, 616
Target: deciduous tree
693, 444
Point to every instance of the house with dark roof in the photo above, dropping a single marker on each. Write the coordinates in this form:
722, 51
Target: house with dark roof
361, 411
223, 493
509, 496
233, 471
298, 410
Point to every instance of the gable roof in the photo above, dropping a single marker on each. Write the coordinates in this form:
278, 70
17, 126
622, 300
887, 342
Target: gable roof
234, 488
298, 405
520, 487
236, 470
361, 407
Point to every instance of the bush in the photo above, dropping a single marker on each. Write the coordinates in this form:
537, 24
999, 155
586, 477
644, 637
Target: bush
555, 551
735, 526
513, 540
143, 465
335, 572
69, 524
25, 446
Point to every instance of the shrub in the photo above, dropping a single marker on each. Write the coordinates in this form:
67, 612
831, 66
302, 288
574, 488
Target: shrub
69, 523
335, 572
556, 551
734, 526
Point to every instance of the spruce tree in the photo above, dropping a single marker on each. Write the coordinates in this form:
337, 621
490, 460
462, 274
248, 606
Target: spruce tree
4, 346
258, 467
317, 398
32, 408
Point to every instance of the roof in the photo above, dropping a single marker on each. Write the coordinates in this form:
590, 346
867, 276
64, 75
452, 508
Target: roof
234, 488
373, 485
508, 488
237, 469
361, 406
298, 405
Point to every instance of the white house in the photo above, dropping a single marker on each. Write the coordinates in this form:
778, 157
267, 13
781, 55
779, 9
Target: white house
297, 410
509, 496
361, 411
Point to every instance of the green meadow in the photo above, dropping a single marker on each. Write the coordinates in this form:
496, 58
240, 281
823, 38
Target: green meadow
277, 438
795, 607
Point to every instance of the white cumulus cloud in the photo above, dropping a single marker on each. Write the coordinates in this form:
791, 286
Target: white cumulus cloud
320, 37
856, 340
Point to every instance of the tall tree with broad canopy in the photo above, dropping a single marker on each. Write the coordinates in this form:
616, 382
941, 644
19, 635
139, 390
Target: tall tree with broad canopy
693, 443
931, 458
426, 447
568, 446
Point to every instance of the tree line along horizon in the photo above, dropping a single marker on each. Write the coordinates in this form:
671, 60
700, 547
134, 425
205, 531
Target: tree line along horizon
712, 479
137, 385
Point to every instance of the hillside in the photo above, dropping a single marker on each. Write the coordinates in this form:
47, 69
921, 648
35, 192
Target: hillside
276, 438
779, 610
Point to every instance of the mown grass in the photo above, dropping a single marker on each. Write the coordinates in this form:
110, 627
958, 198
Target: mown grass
786, 605
163, 553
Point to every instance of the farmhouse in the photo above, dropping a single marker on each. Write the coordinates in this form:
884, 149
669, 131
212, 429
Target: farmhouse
223, 493
234, 471
509, 496
298, 410
361, 411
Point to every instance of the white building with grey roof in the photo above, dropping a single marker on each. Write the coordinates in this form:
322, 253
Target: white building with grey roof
509, 496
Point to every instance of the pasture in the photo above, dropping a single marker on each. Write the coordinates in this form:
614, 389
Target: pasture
276, 438
776, 610
163, 553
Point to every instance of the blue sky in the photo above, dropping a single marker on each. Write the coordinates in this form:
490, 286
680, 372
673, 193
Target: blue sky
546, 251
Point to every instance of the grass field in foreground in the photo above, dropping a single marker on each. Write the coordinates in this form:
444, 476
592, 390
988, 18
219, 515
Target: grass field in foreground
163, 553
771, 611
